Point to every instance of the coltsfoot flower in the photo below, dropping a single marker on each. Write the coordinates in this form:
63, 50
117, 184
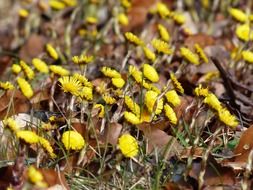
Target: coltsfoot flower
201, 53
102, 110
25, 87
15, 68
27, 136
150, 100
6, 85
123, 19
227, 118
149, 54
73, 140
133, 106
243, 32
59, 70
47, 146
109, 72
189, 55
133, 39
128, 145
118, 82
40, 65
177, 85
173, 98
247, 56
11, 124
199, 91
212, 101
71, 85
150, 73
27, 70
108, 99
238, 14
132, 118
163, 33
87, 93
52, 52
36, 177
161, 46
170, 114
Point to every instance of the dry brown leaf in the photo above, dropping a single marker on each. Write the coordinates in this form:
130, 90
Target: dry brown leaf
157, 138
245, 145
202, 39
112, 133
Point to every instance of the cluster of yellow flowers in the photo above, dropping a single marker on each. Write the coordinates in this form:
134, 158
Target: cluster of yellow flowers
122, 16
213, 102
194, 57
82, 59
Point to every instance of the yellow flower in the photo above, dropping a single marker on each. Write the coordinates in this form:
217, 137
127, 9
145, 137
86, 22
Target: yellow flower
47, 146
179, 18
102, 110
108, 99
199, 91
170, 114
36, 177
70, 84
177, 85
149, 54
128, 145
201, 53
82, 59
134, 39
150, 73
154, 88
11, 124
52, 52
161, 46
73, 140
28, 136
243, 32
16, 68
210, 75
135, 73
173, 98
27, 70
59, 70
56, 4
40, 65
118, 82
205, 3
91, 20
102, 88
150, 100
133, 106
132, 118
70, 3
162, 10
247, 56
23, 13
238, 14
107, 71
213, 102
227, 118
87, 93
126, 3
123, 19
25, 87
189, 55
6, 85
163, 33
83, 80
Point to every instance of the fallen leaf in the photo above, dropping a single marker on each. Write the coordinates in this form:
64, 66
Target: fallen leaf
112, 133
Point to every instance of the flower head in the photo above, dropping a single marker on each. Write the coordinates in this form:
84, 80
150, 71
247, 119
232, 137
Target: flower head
82, 59
16, 68
73, 140
161, 46
227, 118
123, 19
238, 14
6, 85
151, 99
57, 5
126, 3
36, 177
52, 52
87, 93
27, 70
162, 10
170, 114
107, 71
27, 136
243, 32
23, 13
108, 99
173, 98
177, 85
133, 39
91, 20
118, 82
59, 70
11, 124
212, 101
150, 73
102, 110
132, 118
201, 53
40, 65
163, 33
199, 91
71, 85
247, 56
47, 146
179, 18
83, 80
189, 55
149, 54
25, 87
135, 73
133, 106
128, 145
